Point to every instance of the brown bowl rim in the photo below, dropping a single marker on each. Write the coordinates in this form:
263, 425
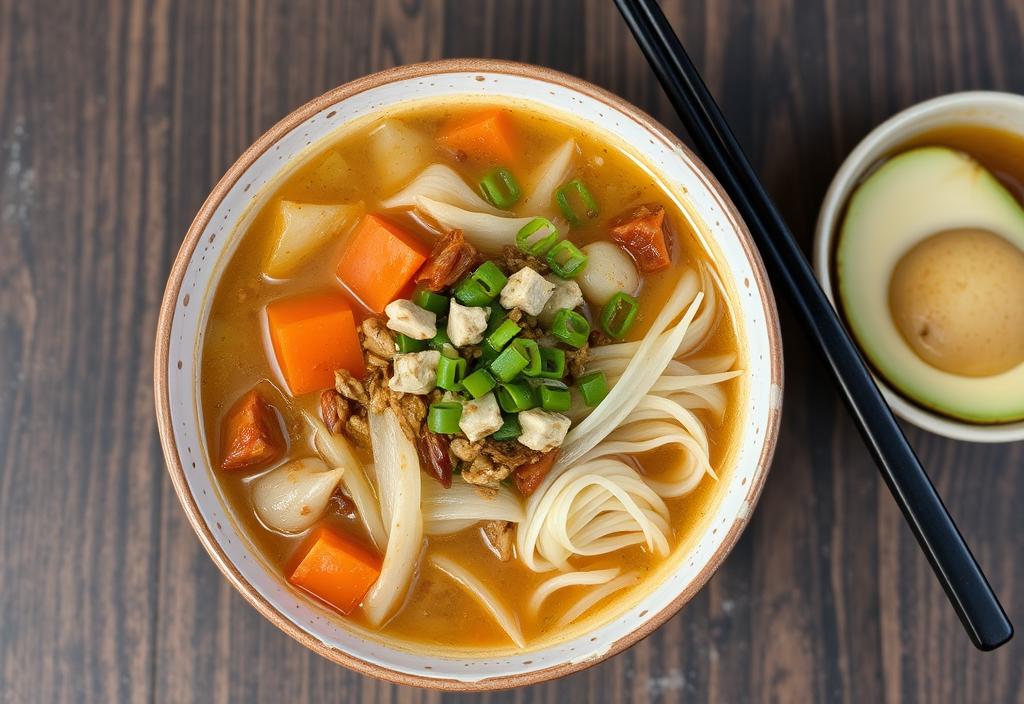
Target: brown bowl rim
162, 349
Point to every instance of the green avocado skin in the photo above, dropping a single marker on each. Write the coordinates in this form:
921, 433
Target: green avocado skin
908, 198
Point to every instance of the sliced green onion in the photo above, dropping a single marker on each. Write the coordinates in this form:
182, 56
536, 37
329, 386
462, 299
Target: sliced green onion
450, 372
487, 353
570, 327
552, 363
499, 187
562, 198
495, 317
509, 429
407, 344
478, 383
503, 335
566, 260
471, 293
490, 278
514, 398
619, 314
552, 399
440, 340
507, 365
530, 350
537, 237
593, 387
443, 417
428, 300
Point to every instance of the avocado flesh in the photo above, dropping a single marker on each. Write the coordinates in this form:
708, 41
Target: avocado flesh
909, 198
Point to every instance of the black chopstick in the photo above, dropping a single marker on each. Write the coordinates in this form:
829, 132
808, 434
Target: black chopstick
954, 565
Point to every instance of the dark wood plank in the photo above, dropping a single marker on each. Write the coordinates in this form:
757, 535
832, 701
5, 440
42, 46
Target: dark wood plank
117, 117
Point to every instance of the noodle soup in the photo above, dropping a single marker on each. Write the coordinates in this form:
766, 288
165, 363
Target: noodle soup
468, 380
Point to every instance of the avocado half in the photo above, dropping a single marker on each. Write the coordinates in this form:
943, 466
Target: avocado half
909, 198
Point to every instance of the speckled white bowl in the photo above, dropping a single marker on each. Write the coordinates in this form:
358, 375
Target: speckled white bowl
216, 232
986, 108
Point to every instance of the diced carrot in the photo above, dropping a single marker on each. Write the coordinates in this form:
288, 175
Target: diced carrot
487, 134
336, 569
642, 233
379, 261
313, 335
529, 476
250, 434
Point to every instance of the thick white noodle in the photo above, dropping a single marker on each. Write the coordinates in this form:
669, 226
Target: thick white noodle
335, 451
549, 176
569, 579
440, 183
448, 511
505, 618
596, 595
488, 233
398, 480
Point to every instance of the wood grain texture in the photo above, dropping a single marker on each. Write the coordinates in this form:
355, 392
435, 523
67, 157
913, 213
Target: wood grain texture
117, 116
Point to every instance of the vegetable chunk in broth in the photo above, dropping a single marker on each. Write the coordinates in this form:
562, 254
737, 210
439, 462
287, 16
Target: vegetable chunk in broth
469, 378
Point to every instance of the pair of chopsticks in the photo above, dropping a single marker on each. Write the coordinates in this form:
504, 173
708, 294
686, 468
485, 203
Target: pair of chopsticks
954, 565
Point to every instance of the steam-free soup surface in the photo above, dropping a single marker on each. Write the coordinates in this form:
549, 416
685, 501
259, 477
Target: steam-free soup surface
239, 356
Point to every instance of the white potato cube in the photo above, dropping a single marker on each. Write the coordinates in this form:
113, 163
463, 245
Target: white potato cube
466, 324
303, 228
397, 152
415, 373
542, 430
526, 290
409, 319
480, 417
567, 294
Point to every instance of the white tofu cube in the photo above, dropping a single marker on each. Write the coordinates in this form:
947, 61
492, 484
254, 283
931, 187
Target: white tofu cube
526, 290
480, 417
409, 319
542, 430
466, 324
567, 294
415, 373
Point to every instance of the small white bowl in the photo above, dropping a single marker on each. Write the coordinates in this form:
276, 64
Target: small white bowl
1004, 111
215, 234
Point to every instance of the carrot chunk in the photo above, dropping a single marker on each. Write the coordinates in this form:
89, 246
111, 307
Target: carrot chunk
643, 233
336, 569
313, 335
487, 134
379, 261
250, 434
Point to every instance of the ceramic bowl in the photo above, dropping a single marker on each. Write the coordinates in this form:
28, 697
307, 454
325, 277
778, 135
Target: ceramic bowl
988, 109
216, 232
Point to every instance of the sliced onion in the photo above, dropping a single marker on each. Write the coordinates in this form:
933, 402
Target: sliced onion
448, 511
292, 497
488, 233
335, 451
501, 613
547, 178
398, 480
440, 183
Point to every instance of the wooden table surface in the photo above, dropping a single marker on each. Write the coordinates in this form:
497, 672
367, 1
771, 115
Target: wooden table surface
116, 118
